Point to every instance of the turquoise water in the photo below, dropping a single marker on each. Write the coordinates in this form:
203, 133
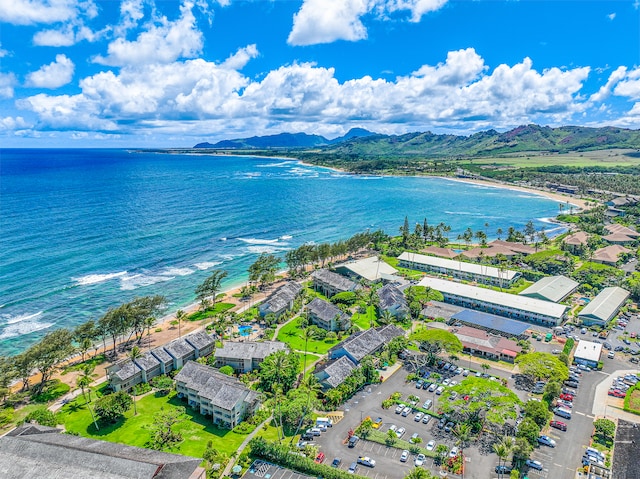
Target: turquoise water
85, 230
244, 330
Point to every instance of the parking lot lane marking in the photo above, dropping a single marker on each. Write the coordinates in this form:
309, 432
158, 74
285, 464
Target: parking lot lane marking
581, 413
590, 416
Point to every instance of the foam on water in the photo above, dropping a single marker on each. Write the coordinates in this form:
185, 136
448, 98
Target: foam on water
204, 265
97, 278
140, 280
23, 327
258, 241
286, 237
18, 318
177, 272
264, 249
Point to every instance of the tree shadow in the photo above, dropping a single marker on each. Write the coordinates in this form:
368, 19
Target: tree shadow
105, 428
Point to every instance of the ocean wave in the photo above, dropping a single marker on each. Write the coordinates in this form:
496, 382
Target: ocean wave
140, 280
276, 165
177, 272
97, 278
285, 237
258, 241
22, 328
204, 265
259, 249
13, 319
547, 220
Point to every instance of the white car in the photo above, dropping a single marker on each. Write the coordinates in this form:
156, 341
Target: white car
547, 441
458, 371
399, 408
465, 373
393, 428
440, 390
431, 445
534, 464
367, 461
453, 452
453, 382
418, 417
419, 460
432, 387
400, 432
404, 457
446, 382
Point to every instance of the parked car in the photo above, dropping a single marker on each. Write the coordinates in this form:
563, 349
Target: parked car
433, 387
427, 385
440, 390
418, 417
501, 469
533, 464
446, 382
571, 384
558, 425
563, 403
427, 404
336, 462
448, 427
400, 432
465, 373
353, 468
566, 397
626, 341
431, 445
319, 458
426, 419
406, 411
419, 460
414, 438
399, 408
453, 395
367, 461
377, 423
454, 452
453, 383
547, 441
419, 384
617, 393
353, 440
404, 457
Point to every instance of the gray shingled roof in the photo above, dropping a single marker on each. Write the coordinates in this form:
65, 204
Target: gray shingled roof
200, 340
128, 370
282, 297
223, 391
366, 342
147, 361
178, 348
324, 310
162, 355
337, 371
389, 332
249, 349
39, 453
335, 280
389, 296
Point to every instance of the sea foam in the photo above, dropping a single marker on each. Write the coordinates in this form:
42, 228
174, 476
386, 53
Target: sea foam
98, 278
204, 265
29, 324
258, 241
13, 319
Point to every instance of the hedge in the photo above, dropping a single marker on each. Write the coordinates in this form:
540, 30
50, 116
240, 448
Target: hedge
568, 346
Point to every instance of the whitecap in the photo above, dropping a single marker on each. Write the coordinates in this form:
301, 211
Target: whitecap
275, 165
136, 281
223, 239
264, 249
98, 278
22, 328
177, 272
13, 319
204, 265
258, 241
286, 237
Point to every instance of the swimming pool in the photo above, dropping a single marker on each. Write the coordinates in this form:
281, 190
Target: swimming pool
244, 330
585, 300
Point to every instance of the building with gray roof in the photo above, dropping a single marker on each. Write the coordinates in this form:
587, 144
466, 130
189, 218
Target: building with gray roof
214, 394
281, 300
201, 342
458, 269
327, 316
330, 283
551, 288
246, 356
181, 352
364, 343
371, 269
165, 359
332, 374
603, 307
512, 306
391, 298
32, 451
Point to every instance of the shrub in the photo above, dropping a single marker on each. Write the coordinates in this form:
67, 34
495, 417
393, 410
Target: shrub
42, 416
6, 416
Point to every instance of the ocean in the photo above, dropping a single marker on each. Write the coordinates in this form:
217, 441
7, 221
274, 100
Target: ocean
82, 230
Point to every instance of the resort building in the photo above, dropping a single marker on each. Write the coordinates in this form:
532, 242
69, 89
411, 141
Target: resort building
491, 251
332, 374
512, 306
509, 328
618, 238
480, 343
34, 451
281, 300
365, 343
458, 269
126, 373
576, 242
609, 255
587, 353
391, 298
330, 283
551, 288
621, 229
440, 310
371, 269
441, 252
246, 356
327, 316
214, 394
519, 248
603, 307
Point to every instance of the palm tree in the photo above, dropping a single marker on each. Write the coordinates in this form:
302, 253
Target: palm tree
462, 432
419, 473
372, 300
307, 334
83, 382
502, 449
134, 354
386, 317
180, 315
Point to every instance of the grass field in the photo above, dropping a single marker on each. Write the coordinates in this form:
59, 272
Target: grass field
219, 308
310, 359
363, 321
291, 334
587, 158
196, 430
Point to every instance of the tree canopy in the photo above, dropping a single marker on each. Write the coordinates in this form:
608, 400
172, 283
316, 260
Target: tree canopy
542, 366
263, 270
278, 369
434, 341
210, 287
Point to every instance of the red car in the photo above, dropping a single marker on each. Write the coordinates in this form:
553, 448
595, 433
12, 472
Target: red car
319, 458
558, 425
566, 397
617, 393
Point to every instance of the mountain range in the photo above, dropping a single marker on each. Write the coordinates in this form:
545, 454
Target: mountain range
362, 142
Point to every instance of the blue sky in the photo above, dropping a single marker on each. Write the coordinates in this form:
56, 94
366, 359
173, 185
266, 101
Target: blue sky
143, 73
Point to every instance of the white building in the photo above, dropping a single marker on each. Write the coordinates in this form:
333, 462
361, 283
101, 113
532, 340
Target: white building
458, 269
603, 307
588, 353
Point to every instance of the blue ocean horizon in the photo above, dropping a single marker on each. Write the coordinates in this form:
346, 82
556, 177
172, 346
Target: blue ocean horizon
85, 230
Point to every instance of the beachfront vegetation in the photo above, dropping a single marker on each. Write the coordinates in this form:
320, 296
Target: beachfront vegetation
263, 270
209, 288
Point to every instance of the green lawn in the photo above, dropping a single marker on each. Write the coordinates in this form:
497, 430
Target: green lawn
291, 334
363, 321
219, 308
196, 430
89, 361
597, 267
310, 359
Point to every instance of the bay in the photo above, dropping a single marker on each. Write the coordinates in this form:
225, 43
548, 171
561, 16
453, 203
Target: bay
84, 230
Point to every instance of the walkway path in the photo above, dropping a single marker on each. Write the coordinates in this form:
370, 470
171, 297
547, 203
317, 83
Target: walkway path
250, 436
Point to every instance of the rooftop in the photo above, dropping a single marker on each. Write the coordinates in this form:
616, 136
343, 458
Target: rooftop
618, 238
551, 288
38, 452
617, 228
249, 349
577, 239
128, 370
366, 342
588, 350
438, 309
513, 246
335, 280
491, 322
337, 370
324, 310
609, 254
606, 304
390, 296
442, 252
480, 340
470, 268
371, 269
200, 340
147, 361
162, 355
523, 303
625, 457
282, 297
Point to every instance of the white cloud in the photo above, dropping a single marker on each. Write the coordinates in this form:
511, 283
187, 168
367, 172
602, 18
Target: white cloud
53, 75
7, 82
611, 16
630, 85
13, 123
195, 97
605, 90
326, 21
29, 12
162, 42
